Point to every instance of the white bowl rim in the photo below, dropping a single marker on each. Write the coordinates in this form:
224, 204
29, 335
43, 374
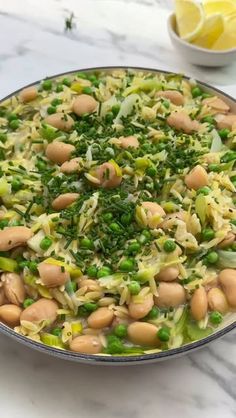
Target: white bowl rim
195, 47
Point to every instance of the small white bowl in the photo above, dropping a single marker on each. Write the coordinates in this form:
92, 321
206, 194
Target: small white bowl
197, 55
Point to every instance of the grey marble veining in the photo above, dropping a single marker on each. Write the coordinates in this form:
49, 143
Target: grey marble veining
33, 44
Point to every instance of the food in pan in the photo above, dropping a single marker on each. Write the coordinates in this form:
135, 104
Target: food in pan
117, 216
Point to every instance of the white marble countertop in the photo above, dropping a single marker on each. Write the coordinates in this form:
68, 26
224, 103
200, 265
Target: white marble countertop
33, 44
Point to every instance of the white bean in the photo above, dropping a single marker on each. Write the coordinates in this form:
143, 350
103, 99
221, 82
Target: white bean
196, 178
198, 304
141, 309
182, 122
217, 300
87, 344
59, 152
129, 142
108, 176
174, 96
168, 274
10, 314
100, 318
52, 275
227, 279
14, 236
170, 295
28, 94
60, 121
64, 200
42, 310
84, 104
14, 288
143, 333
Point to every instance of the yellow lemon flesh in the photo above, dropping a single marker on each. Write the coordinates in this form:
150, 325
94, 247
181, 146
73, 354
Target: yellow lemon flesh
228, 38
189, 18
225, 7
211, 31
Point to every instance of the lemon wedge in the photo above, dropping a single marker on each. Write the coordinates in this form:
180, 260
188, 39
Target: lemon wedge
225, 7
227, 39
212, 29
189, 18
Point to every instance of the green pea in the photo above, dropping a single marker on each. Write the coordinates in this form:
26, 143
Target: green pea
166, 104
82, 75
66, 82
3, 223
14, 124
206, 95
151, 171
92, 78
153, 314
120, 330
90, 306
12, 116
114, 345
82, 311
56, 102
115, 109
169, 246
127, 265
134, 288
145, 237
41, 165
33, 266
126, 218
196, 92
208, 234
47, 85
134, 248
59, 88
161, 146
103, 272
3, 137
56, 331
214, 167
92, 271
164, 334
204, 190
16, 184
87, 90
45, 243
86, 243
212, 257
22, 264
107, 217
114, 227
27, 302
224, 133
109, 117
96, 83
208, 119
216, 317
51, 110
